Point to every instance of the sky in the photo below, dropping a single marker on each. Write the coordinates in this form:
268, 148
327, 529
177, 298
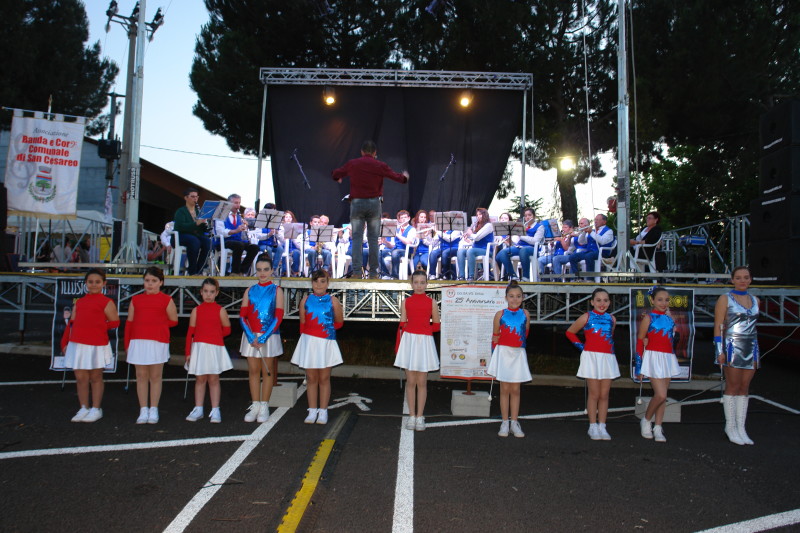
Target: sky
173, 138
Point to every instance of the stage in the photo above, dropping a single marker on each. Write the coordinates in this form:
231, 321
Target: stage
549, 302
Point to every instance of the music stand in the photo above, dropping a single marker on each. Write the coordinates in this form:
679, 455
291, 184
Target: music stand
290, 232
270, 219
321, 234
388, 228
215, 210
509, 228
451, 221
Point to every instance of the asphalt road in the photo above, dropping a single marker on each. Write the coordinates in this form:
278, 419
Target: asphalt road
464, 477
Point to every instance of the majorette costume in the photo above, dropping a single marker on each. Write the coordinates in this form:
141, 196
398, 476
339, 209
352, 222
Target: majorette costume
204, 345
260, 321
509, 362
317, 346
85, 341
417, 351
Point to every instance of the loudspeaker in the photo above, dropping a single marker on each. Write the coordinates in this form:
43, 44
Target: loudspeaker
780, 171
775, 217
775, 261
780, 126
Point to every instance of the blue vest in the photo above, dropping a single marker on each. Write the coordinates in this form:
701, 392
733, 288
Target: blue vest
445, 245
398, 244
241, 236
483, 242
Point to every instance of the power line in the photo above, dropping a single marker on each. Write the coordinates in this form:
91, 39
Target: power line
199, 153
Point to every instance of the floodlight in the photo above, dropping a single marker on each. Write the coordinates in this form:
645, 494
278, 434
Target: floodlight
567, 164
329, 96
465, 99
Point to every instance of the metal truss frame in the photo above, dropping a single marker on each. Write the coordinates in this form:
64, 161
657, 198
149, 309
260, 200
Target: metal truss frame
396, 78
548, 303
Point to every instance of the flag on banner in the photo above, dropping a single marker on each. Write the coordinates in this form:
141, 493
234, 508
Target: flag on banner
44, 159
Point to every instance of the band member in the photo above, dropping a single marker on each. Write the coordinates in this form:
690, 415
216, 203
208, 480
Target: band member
234, 230
396, 247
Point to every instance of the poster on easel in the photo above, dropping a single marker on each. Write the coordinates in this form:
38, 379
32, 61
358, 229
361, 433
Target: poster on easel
68, 291
681, 309
466, 336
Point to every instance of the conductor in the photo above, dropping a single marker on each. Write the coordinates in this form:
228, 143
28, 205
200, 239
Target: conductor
366, 194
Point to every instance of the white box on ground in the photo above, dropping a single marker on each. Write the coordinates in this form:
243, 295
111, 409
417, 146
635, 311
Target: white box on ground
284, 396
672, 413
476, 404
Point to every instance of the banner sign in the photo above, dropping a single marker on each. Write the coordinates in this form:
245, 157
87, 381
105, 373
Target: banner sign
44, 159
67, 293
681, 309
467, 320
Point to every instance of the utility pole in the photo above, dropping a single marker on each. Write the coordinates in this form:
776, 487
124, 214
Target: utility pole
137, 30
623, 140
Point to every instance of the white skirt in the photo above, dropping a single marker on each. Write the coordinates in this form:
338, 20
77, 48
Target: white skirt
272, 348
660, 365
316, 352
147, 352
417, 353
87, 357
598, 365
509, 364
208, 359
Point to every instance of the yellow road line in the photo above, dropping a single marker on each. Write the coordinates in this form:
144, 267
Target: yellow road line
291, 520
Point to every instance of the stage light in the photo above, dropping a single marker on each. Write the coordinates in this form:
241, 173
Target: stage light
567, 164
465, 99
329, 96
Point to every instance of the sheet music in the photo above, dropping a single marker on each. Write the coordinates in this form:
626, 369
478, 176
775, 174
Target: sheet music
509, 228
269, 218
215, 210
451, 220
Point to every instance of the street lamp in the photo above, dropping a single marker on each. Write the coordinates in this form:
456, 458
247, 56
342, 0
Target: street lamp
567, 164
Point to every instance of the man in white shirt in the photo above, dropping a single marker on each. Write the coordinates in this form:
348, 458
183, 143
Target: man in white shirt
234, 230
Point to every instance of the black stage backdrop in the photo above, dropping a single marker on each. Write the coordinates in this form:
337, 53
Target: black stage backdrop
415, 129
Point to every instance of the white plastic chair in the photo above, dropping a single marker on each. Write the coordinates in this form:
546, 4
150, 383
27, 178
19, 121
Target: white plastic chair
640, 259
405, 262
179, 259
220, 257
342, 260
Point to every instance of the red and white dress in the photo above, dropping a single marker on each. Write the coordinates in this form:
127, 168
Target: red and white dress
417, 351
317, 346
147, 336
509, 362
88, 346
207, 349
597, 359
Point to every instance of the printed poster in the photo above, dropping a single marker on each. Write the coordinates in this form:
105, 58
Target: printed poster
681, 309
466, 337
44, 160
67, 293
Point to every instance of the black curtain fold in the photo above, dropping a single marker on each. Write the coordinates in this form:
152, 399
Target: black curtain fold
414, 128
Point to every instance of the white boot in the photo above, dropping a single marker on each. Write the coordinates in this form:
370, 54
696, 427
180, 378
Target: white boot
729, 407
741, 416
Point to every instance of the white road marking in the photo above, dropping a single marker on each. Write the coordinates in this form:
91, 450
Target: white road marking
354, 398
403, 520
211, 487
764, 523
166, 380
121, 447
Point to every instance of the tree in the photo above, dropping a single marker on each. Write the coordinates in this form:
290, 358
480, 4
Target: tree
705, 72
549, 39
545, 38
42, 54
244, 35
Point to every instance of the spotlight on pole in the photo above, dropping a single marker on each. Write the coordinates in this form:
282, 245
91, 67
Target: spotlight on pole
567, 164
329, 96
465, 100
135, 12
158, 20
113, 9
